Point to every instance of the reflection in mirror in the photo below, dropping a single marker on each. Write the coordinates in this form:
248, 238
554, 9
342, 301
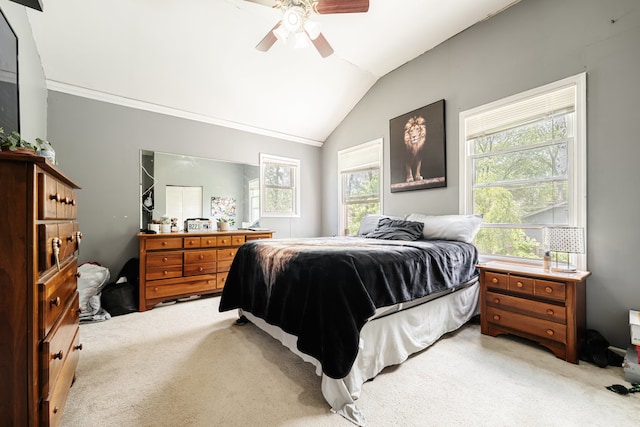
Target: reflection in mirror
182, 187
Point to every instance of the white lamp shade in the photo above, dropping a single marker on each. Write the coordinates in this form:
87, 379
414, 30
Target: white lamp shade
566, 239
281, 33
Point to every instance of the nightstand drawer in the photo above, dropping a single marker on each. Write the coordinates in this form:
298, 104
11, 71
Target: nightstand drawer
521, 285
530, 325
545, 311
548, 289
496, 280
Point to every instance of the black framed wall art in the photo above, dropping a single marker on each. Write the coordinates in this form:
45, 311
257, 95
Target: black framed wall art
418, 149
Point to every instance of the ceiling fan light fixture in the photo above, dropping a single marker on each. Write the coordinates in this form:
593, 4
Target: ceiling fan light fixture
312, 28
301, 40
281, 33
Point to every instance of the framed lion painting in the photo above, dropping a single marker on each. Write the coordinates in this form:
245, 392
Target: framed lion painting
417, 149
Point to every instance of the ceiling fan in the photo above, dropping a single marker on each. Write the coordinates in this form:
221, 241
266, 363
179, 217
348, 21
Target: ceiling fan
295, 21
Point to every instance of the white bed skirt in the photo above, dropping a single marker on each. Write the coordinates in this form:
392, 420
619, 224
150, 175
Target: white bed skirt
385, 341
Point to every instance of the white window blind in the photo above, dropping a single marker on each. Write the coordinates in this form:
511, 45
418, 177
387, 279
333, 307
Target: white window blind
515, 114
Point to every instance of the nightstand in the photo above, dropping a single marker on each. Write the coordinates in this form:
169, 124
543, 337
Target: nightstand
544, 306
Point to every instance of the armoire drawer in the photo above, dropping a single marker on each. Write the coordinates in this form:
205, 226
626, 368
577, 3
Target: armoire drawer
55, 199
57, 346
54, 296
53, 403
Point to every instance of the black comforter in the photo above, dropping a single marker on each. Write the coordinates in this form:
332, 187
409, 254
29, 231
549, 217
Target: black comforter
323, 290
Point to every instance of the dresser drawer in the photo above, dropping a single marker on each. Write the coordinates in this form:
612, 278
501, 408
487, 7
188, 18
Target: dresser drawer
168, 272
199, 257
237, 240
55, 199
208, 242
520, 285
66, 238
530, 325
496, 280
54, 296
161, 243
225, 258
167, 289
164, 259
222, 278
53, 403
57, 346
551, 290
554, 313
191, 242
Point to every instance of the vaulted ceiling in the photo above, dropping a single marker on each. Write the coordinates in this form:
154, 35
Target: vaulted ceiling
197, 58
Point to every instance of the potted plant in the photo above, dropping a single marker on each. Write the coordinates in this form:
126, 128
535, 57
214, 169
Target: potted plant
45, 149
13, 142
223, 223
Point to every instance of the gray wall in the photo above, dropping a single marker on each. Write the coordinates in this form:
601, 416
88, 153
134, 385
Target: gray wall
532, 43
33, 92
97, 144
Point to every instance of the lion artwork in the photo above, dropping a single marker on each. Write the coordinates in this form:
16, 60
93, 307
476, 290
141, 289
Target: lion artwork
415, 135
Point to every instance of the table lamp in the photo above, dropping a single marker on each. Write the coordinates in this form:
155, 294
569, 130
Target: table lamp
566, 239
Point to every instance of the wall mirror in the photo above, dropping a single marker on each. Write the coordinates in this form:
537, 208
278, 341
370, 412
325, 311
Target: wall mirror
182, 187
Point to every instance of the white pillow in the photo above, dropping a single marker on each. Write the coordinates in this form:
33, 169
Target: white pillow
448, 227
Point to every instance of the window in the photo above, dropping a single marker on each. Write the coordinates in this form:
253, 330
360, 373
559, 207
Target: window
523, 167
280, 178
360, 184
254, 200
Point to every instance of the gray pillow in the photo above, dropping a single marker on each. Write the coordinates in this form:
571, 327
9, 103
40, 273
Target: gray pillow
397, 229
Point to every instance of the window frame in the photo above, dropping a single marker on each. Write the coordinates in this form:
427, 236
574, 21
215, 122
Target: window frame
365, 165
576, 150
269, 159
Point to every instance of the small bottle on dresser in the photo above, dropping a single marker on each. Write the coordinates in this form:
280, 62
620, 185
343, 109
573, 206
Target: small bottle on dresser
547, 260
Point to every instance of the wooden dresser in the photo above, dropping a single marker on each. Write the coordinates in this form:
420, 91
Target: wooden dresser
39, 310
179, 265
543, 306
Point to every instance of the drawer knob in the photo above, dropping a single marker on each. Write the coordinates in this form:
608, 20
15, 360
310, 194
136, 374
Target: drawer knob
201, 269
550, 312
496, 300
55, 409
548, 289
519, 284
55, 302
164, 243
494, 280
57, 355
165, 272
209, 242
165, 259
550, 332
496, 317
78, 347
201, 256
191, 242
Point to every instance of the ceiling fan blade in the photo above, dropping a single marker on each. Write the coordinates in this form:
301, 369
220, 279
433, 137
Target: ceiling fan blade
324, 7
323, 46
268, 40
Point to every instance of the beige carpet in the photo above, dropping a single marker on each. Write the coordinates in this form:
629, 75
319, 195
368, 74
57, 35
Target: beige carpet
188, 365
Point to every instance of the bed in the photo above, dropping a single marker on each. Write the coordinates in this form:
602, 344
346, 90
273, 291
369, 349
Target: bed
354, 305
